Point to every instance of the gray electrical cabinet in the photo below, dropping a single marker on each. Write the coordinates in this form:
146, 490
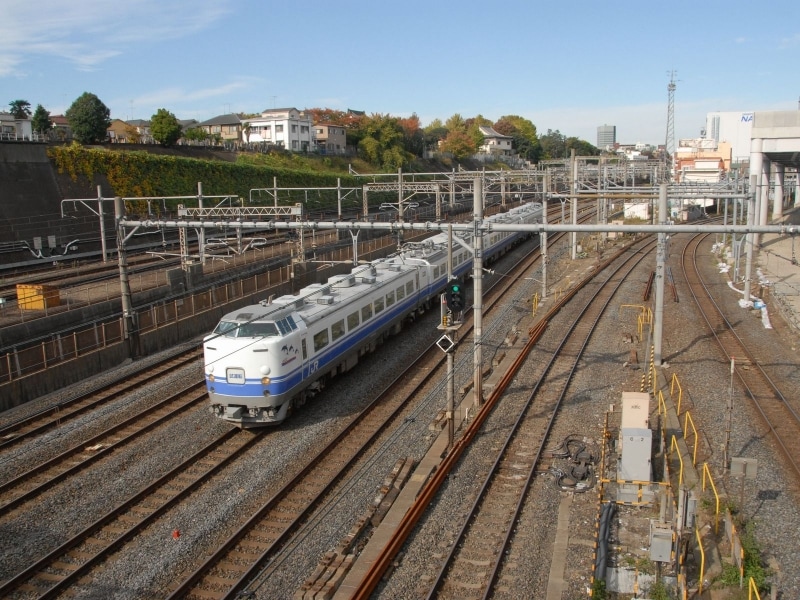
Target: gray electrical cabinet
660, 541
637, 445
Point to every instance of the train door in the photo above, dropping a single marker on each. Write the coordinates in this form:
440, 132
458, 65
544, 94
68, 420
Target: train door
304, 350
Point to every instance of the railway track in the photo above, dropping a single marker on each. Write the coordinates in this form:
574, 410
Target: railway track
58, 415
45, 476
63, 567
780, 412
243, 556
473, 566
140, 527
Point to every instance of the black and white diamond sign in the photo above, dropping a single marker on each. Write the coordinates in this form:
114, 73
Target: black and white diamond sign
446, 344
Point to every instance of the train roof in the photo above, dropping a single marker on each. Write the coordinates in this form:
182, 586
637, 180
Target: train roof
318, 299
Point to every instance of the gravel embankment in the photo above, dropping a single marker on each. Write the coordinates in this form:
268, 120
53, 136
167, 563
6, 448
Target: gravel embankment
147, 565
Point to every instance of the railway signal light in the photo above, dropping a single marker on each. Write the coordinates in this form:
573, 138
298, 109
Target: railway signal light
455, 296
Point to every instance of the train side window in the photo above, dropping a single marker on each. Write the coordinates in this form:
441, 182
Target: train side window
389, 298
337, 330
226, 328
401, 293
305, 351
436, 272
352, 321
366, 312
378, 305
410, 287
320, 340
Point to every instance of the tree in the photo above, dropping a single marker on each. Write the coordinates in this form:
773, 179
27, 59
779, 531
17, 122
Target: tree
455, 123
132, 133
89, 119
382, 141
554, 145
473, 130
582, 147
20, 109
198, 134
459, 144
523, 133
41, 122
165, 128
434, 133
413, 136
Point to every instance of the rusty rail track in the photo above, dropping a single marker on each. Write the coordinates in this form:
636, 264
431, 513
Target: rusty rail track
55, 416
227, 572
494, 495
780, 412
43, 477
63, 567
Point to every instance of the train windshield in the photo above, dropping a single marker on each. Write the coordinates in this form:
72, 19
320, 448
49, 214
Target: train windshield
234, 329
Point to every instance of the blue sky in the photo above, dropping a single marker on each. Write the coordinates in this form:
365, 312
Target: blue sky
570, 66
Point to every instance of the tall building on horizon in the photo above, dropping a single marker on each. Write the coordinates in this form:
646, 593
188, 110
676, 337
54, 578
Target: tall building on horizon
606, 136
732, 127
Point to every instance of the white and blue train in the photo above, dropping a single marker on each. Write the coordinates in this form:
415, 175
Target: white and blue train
264, 360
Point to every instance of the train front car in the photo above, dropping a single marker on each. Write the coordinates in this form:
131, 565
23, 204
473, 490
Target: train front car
248, 360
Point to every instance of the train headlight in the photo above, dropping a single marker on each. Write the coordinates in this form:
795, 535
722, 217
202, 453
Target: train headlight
264, 370
209, 369
265, 380
211, 377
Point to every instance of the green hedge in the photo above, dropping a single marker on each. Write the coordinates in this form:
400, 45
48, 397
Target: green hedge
137, 174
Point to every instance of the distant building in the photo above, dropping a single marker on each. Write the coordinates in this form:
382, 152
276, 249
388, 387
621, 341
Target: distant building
732, 127
330, 139
142, 128
606, 137
287, 127
495, 143
227, 127
118, 132
12, 128
61, 129
701, 160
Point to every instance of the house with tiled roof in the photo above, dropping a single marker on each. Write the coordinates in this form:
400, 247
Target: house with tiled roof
495, 143
228, 127
142, 127
61, 129
119, 132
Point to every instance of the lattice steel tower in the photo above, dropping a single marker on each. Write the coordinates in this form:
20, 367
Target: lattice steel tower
670, 143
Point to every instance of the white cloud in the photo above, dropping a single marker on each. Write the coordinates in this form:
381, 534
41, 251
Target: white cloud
790, 42
89, 32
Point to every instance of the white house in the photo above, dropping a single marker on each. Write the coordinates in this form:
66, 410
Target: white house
12, 128
287, 127
494, 143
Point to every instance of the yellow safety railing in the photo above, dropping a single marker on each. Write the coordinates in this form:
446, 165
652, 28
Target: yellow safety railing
662, 405
673, 384
534, 304
673, 446
707, 473
686, 422
752, 588
682, 587
702, 561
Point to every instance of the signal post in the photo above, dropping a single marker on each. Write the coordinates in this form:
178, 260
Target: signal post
452, 311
